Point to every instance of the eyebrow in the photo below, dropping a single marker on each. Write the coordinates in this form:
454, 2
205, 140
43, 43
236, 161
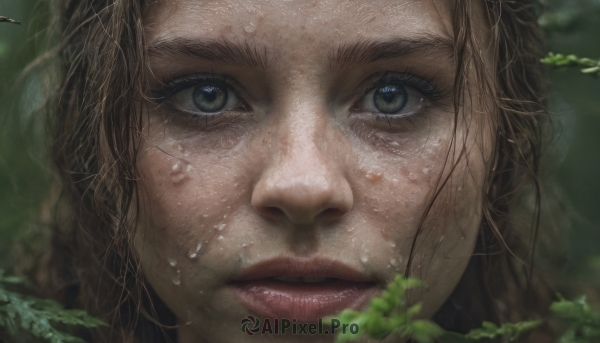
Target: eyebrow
220, 50
363, 51
346, 55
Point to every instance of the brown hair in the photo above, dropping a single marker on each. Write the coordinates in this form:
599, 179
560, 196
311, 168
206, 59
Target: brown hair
94, 135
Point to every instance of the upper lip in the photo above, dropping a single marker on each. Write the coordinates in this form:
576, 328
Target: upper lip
302, 267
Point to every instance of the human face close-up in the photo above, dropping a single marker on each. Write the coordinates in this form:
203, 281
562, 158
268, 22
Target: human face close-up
291, 150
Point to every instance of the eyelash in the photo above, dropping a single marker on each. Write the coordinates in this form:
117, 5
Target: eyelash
426, 87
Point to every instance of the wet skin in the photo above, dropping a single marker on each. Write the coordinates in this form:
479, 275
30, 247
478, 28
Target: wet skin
306, 149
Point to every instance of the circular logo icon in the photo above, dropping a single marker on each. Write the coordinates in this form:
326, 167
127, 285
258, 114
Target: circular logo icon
250, 325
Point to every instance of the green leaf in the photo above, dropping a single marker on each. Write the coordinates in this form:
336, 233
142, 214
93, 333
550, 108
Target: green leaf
36, 316
590, 66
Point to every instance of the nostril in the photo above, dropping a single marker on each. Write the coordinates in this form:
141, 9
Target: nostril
274, 212
332, 213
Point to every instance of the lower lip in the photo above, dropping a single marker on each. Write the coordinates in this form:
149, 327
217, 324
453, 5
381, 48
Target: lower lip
305, 302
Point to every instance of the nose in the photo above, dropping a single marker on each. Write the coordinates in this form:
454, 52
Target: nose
304, 181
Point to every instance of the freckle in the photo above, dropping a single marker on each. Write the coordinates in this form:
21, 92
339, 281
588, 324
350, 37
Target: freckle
374, 176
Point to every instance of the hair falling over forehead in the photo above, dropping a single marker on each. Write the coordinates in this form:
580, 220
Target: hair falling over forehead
94, 138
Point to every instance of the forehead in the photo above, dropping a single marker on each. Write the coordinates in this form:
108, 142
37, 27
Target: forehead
297, 24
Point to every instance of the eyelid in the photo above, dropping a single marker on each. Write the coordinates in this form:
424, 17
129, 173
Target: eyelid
169, 88
427, 87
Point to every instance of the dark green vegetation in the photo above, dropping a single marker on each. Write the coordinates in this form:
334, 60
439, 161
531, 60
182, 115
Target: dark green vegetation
30, 318
390, 314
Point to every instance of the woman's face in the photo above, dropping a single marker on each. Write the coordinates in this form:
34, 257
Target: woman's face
290, 153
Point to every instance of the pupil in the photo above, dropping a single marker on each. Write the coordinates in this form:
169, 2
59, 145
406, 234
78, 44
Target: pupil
210, 98
390, 99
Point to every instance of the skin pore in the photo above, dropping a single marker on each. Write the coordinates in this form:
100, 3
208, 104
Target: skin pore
312, 133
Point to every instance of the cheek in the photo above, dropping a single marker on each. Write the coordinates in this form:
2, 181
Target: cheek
427, 179
186, 206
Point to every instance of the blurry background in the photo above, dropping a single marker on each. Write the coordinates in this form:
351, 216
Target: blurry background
572, 27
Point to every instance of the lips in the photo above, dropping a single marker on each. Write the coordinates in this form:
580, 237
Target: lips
301, 289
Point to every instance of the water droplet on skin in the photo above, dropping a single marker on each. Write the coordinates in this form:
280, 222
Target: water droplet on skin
176, 173
395, 181
195, 252
250, 27
221, 227
172, 262
374, 176
442, 238
393, 245
459, 188
394, 262
177, 278
220, 238
425, 170
412, 177
180, 148
244, 245
364, 259
188, 168
205, 215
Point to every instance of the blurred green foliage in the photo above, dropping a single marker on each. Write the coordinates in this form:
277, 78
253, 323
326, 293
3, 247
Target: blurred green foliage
24, 181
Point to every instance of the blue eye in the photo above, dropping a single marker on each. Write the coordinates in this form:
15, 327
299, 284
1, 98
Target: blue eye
393, 98
207, 98
390, 99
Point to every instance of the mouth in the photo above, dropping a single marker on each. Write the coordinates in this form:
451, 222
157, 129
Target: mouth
302, 289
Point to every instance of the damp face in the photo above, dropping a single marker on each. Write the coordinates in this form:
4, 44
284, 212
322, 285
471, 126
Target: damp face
290, 152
